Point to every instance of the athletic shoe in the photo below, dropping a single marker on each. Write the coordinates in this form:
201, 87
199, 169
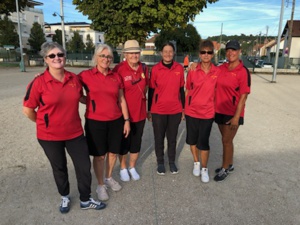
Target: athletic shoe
64, 204
221, 175
161, 170
134, 175
196, 170
102, 193
124, 176
92, 204
114, 185
230, 169
204, 175
173, 168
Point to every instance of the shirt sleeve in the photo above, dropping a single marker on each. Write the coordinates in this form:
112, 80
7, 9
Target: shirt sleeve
32, 97
245, 81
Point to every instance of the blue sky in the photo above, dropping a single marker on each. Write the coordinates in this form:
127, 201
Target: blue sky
238, 16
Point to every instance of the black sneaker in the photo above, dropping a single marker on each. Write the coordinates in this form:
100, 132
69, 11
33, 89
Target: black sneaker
221, 175
161, 170
173, 168
230, 169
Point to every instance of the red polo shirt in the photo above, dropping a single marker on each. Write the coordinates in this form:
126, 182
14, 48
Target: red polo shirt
135, 82
167, 83
200, 100
102, 102
57, 102
231, 85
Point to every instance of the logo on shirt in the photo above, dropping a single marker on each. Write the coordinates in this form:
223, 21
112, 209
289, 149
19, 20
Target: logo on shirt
233, 74
214, 76
128, 78
177, 73
72, 84
143, 75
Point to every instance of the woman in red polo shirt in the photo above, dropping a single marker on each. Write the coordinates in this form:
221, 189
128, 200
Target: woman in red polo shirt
233, 87
107, 118
135, 79
200, 107
52, 101
166, 104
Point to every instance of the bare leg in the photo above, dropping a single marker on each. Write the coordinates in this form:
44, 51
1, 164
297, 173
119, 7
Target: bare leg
133, 159
195, 152
227, 141
98, 164
110, 163
123, 159
204, 154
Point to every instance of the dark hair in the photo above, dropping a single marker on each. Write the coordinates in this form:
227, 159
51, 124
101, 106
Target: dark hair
206, 44
168, 44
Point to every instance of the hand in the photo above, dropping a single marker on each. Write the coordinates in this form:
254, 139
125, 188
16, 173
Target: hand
182, 116
126, 129
233, 123
192, 66
149, 116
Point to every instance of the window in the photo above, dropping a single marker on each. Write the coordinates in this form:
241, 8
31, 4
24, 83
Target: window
36, 19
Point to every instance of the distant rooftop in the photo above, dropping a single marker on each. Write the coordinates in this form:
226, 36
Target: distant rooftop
34, 3
67, 23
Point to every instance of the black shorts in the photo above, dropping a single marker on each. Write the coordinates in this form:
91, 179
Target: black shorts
223, 119
198, 132
133, 142
104, 136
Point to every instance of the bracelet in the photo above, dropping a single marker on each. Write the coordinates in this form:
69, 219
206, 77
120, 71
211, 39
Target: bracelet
127, 119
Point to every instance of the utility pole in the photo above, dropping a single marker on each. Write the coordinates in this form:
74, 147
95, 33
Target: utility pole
290, 34
62, 24
278, 43
22, 65
219, 55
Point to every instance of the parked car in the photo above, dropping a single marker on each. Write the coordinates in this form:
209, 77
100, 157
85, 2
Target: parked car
267, 65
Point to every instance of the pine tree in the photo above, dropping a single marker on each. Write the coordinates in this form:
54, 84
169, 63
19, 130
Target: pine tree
37, 37
75, 44
57, 37
89, 45
8, 33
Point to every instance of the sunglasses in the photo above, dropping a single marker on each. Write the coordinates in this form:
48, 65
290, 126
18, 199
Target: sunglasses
59, 55
206, 52
108, 57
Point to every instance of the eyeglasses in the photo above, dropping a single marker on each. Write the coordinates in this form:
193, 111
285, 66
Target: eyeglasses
108, 57
206, 52
59, 55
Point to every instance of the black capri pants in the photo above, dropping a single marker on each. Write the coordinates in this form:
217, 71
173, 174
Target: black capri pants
133, 142
78, 151
198, 132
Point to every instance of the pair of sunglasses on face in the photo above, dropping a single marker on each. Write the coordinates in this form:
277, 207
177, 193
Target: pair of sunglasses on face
59, 55
206, 52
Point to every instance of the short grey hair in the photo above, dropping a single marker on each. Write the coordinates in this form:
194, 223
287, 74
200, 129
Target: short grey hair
98, 50
48, 46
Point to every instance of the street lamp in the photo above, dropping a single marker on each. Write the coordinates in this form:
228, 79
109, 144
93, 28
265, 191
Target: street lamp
22, 65
61, 15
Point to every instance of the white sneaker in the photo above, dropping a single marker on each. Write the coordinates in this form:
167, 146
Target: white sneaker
134, 174
102, 193
196, 170
114, 185
124, 176
204, 175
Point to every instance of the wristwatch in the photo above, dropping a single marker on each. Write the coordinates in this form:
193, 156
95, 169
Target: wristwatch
127, 119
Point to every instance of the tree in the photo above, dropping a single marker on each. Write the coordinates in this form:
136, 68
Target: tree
187, 39
89, 45
57, 37
75, 44
136, 19
9, 6
37, 37
8, 33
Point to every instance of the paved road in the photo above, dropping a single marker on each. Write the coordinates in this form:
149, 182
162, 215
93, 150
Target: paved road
264, 189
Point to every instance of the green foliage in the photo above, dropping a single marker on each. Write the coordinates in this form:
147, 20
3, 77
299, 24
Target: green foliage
187, 39
9, 6
75, 44
89, 45
136, 19
37, 37
57, 37
8, 33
